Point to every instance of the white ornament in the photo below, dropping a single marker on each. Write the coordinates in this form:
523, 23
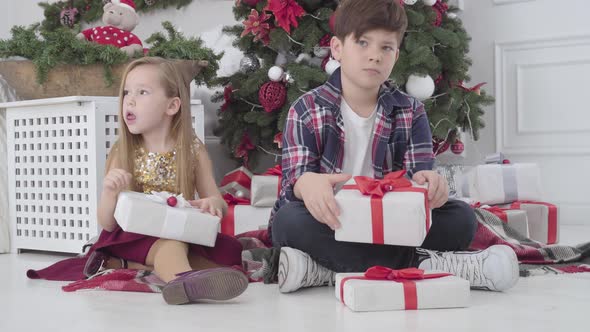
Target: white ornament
452, 15
410, 2
321, 52
275, 73
331, 66
420, 87
303, 57
429, 2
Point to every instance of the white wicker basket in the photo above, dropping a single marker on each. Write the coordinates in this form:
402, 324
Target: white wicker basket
57, 150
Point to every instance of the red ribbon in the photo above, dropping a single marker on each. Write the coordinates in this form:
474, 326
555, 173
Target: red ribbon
239, 177
552, 216
228, 222
473, 88
277, 170
404, 276
377, 188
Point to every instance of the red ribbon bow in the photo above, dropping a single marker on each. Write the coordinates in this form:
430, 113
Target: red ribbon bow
378, 187
404, 276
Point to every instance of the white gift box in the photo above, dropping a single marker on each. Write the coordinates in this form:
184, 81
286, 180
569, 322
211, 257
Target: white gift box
244, 218
265, 190
516, 219
405, 216
237, 183
381, 295
543, 220
497, 184
140, 213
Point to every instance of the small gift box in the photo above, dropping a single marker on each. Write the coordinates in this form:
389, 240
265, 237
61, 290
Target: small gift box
237, 183
266, 187
543, 220
164, 215
497, 184
381, 288
242, 217
386, 211
516, 219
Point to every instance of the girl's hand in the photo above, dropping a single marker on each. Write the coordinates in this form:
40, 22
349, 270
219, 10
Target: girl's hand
116, 181
213, 205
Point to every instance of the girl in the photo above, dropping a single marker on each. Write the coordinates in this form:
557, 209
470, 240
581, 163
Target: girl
157, 150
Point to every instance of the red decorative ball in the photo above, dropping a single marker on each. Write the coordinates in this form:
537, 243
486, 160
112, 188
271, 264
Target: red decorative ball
458, 147
439, 146
505, 161
272, 96
172, 201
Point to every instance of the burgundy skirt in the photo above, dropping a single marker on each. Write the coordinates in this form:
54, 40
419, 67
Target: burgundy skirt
135, 247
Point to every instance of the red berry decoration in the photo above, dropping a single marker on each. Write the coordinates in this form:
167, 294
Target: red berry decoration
272, 96
458, 147
172, 201
505, 161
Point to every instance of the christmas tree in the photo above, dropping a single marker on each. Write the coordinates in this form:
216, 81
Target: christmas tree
286, 53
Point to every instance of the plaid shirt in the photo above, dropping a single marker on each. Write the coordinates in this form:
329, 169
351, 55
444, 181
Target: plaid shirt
313, 138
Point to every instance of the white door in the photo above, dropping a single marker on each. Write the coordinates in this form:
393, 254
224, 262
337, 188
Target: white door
535, 56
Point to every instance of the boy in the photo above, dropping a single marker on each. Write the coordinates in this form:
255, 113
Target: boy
359, 124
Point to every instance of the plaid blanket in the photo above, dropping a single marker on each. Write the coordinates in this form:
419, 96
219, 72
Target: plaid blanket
259, 261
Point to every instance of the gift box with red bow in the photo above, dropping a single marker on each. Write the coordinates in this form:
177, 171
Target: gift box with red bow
516, 219
165, 216
543, 220
241, 217
237, 183
381, 288
498, 184
392, 210
266, 187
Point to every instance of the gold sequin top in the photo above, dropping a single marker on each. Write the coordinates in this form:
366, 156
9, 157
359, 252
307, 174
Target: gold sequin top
157, 171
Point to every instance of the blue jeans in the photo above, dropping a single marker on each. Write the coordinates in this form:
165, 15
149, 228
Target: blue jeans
453, 228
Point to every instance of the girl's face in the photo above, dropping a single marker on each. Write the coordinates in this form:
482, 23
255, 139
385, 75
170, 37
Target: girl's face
146, 108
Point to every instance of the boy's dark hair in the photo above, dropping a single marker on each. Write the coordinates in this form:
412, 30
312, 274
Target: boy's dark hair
356, 17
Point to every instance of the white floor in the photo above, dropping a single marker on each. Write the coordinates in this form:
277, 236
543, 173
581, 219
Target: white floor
542, 303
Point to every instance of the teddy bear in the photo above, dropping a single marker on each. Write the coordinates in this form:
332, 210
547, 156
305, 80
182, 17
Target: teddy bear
120, 19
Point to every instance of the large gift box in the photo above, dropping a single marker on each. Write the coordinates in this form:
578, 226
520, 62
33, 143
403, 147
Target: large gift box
497, 184
516, 219
237, 183
266, 187
152, 215
387, 211
543, 220
381, 288
242, 217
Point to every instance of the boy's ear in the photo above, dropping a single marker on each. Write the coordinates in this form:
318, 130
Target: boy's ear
336, 47
173, 106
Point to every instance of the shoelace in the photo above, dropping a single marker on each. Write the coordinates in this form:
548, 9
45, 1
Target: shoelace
467, 265
317, 275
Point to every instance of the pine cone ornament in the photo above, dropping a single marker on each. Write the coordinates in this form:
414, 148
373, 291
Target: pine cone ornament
67, 17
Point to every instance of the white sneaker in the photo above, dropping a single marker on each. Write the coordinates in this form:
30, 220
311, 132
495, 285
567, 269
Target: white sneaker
298, 270
495, 268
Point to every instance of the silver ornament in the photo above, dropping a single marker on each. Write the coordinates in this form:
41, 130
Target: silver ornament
321, 52
288, 78
150, 2
249, 64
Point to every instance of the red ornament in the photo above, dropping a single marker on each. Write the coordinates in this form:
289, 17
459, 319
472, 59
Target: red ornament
172, 201
506, 161
440, 8
458, 147
439, 146
332, 22
278, 140
242, 149
286, 13
272, 96
325, 41
227, 92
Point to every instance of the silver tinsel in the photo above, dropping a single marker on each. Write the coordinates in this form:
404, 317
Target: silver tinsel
249, 64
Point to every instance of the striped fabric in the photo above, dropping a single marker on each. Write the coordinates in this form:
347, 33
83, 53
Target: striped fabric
313, 138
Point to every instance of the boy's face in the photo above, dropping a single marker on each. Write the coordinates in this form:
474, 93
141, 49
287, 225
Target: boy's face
366, 61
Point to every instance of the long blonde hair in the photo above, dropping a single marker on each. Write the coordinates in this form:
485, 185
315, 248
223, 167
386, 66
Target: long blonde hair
172, 80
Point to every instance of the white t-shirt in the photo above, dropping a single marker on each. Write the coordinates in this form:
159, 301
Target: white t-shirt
358, 139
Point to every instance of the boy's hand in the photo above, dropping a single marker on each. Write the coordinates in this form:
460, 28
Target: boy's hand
317, 192
116, 181
438, 189
212, 205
